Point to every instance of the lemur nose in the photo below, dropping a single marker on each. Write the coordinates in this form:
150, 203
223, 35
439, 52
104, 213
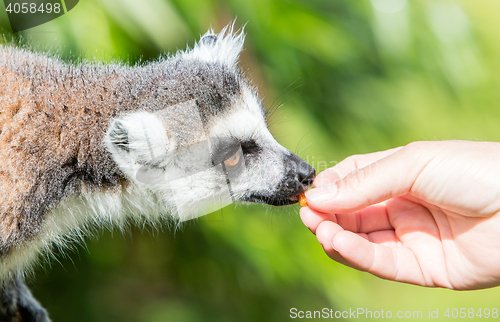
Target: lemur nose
306, 174
300, 172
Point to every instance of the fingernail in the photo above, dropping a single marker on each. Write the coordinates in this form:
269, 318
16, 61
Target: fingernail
318, 237
323, 180
323, 193
333, 246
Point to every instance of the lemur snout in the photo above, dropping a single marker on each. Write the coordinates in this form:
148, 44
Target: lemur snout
306, 174
300, 172
299, 177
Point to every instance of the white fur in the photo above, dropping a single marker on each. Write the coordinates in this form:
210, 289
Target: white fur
150, 140
225, 50
177, 201
147, 140
80, 215
243, 122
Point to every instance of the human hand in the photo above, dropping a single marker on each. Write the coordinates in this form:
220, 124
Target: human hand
426, 213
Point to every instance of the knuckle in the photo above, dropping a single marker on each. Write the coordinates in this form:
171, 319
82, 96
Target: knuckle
417, 146
356, 178
413, 145
347, 165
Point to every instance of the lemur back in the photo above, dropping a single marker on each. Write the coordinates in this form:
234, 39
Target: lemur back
53, 119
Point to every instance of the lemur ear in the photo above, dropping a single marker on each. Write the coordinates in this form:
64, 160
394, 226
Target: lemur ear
135, 139
118, 136
223, 48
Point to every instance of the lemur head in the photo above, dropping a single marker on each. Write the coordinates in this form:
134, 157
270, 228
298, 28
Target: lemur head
199, 137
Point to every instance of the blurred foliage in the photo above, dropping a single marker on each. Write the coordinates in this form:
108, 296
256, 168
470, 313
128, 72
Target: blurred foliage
352, 77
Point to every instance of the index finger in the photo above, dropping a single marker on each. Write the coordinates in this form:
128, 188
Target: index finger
371, 219
350, 164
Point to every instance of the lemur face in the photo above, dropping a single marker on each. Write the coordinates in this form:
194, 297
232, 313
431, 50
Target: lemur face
270, 174
201, 142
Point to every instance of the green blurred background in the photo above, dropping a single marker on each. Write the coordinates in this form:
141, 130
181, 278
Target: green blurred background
352, 77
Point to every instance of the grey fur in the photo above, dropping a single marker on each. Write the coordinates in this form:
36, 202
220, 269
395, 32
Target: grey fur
151, 87
18, 305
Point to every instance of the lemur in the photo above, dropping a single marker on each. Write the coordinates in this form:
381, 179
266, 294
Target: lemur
87, 144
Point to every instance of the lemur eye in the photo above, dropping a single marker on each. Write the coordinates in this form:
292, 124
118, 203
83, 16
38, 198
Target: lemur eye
233, 160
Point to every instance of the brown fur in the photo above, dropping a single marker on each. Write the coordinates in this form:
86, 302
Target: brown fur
53, 118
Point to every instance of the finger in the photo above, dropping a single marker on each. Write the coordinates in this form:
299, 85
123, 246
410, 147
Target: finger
370, 219
386, 238
355, 162
417, 228
392, 263
386, 178
325, 233
348, 165
312, 218
326, 177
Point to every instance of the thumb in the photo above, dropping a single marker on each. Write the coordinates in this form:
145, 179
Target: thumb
383, 179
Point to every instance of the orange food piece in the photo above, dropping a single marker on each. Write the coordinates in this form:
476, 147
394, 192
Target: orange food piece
302, 200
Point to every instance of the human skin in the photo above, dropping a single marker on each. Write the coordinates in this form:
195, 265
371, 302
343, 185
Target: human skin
426, 213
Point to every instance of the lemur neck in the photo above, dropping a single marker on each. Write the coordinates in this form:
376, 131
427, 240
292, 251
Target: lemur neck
82, 100
53, 118
60, 113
